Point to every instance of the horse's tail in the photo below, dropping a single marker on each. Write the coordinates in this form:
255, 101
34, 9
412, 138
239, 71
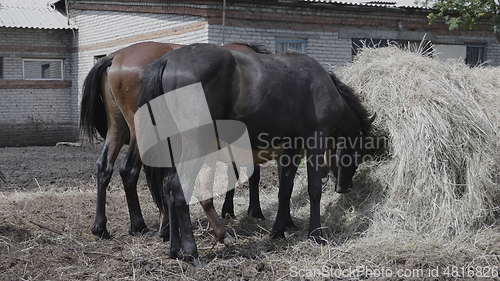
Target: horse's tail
352, 101
152, 85
93, 118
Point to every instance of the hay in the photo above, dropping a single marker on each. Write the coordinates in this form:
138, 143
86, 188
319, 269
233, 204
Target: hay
441, 119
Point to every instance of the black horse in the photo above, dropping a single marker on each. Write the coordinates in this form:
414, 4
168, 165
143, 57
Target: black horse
278, 97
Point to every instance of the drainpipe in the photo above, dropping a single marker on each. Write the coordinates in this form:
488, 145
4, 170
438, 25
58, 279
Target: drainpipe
224, 22
67, 9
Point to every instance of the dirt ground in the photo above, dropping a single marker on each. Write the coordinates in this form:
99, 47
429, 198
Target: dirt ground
48, 204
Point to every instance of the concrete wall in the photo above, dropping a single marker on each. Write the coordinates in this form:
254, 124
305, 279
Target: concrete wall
35, 112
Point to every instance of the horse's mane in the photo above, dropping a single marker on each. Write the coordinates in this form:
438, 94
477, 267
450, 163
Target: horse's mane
256, 47
353, 101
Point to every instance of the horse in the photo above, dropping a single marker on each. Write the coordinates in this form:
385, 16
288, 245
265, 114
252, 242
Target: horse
280, 96
108, 104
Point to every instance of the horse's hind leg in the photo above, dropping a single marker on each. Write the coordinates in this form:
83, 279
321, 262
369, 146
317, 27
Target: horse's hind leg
104, 164
130, 175
154, 177
181, 229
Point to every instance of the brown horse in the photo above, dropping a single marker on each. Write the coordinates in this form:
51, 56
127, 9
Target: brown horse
109, 102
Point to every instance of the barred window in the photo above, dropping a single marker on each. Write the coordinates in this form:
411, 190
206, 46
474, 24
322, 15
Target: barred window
475, 55
42, 69
291, 45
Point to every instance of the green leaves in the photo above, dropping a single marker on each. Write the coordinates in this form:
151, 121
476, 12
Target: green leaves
466, 13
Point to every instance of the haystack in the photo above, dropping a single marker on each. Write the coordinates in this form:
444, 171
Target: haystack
438, 176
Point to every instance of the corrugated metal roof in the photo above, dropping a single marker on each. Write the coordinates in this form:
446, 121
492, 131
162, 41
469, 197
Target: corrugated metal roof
32, 14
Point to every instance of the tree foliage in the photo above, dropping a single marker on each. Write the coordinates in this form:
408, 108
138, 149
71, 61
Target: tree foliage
465, 13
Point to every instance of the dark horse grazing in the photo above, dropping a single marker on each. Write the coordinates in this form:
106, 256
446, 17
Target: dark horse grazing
109, 101
281, 96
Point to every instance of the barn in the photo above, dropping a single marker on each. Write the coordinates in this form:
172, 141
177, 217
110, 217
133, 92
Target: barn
42, 108
38, 99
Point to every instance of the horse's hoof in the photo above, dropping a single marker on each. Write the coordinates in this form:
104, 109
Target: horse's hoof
256, 213
138, 230
100, 231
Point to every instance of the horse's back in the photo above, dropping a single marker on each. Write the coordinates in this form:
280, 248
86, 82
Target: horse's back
288, 88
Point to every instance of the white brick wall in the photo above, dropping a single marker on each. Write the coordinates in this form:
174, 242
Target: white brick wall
36, 116
326, 47
103, 32
493, 53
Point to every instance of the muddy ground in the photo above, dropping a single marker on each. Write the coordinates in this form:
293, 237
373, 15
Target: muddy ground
48, 203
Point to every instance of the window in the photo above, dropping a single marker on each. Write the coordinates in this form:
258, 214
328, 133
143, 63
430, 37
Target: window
98, 58
474, 55
291, 46
42, 69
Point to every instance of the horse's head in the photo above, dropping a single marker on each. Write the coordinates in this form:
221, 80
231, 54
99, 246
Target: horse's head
349, 152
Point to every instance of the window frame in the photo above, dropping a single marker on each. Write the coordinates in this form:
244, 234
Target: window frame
61, 61
476, 45
288, 40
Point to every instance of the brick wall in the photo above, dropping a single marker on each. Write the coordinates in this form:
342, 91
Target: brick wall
493, 53
36, 112
36, 117
326, 47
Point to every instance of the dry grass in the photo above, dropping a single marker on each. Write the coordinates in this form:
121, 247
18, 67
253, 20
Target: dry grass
441, 120
430, 201
436, 184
